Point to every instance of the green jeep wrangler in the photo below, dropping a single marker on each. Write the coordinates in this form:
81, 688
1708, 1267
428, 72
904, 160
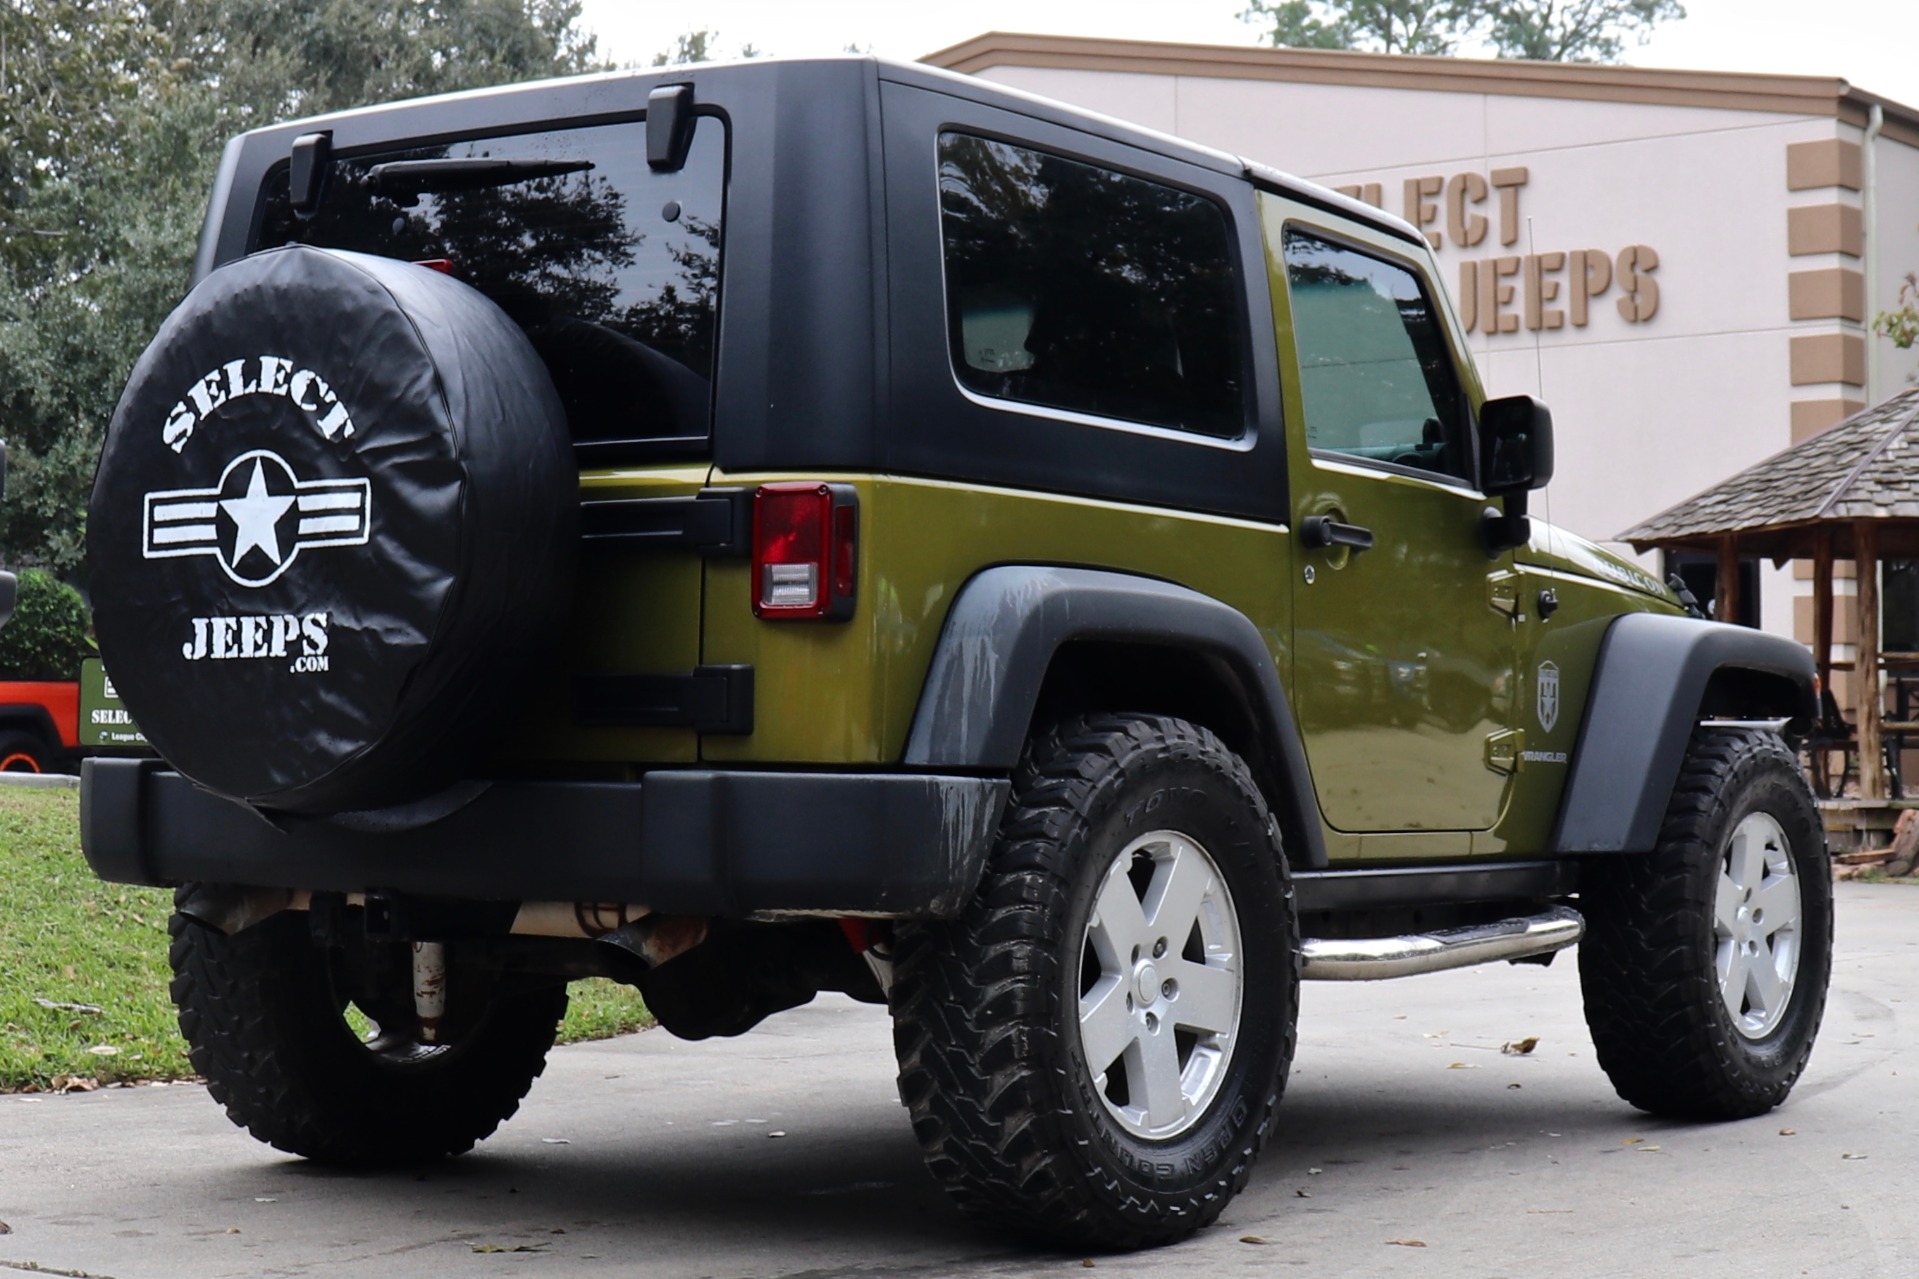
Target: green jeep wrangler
750, 530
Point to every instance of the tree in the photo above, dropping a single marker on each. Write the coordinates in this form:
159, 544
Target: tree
1575, 30
1901, 324
277, 58
1377, 26
702, 45
47, 638
1546, 30
112, 116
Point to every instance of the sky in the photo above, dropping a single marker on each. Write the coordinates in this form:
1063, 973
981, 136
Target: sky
1874, 44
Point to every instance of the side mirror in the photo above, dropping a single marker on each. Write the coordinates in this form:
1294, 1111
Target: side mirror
1515, 457
1515, 445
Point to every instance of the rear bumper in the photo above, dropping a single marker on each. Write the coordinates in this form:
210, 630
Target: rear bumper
687, 842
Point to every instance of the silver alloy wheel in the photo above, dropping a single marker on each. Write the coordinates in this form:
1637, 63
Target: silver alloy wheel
1160, 985
1756, 925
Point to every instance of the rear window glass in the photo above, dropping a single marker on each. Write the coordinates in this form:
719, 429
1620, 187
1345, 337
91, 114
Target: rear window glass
611, 268
1074, 287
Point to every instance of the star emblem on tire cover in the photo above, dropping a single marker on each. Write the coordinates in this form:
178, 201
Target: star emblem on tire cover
258, 519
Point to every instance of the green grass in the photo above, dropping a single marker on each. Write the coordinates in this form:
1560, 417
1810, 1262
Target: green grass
67, 938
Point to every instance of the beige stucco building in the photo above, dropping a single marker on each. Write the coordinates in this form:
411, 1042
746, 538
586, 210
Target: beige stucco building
1682, 264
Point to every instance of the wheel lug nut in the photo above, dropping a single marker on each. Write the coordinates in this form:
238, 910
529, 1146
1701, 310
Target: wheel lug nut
1169, 988
1152, 1022
1159, 949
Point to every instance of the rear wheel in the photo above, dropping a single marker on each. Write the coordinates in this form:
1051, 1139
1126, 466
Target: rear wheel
1094, 1052
317, 1051
23, 753
1705, 962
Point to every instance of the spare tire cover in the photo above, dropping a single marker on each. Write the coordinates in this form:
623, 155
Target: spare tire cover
335, 515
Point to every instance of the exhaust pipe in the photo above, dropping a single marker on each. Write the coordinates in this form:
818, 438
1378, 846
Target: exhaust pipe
653, 937
1377, 958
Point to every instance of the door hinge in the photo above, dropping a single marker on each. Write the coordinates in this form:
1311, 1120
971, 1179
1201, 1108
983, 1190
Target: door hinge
1503, 749
1502, 593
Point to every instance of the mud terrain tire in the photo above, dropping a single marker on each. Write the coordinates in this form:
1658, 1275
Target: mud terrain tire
998, 1014
1702, 1005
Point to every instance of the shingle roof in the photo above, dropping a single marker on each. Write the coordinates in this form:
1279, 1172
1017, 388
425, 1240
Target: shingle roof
1866, 467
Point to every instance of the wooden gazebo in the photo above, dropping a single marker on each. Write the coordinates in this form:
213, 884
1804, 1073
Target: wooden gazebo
1850, 492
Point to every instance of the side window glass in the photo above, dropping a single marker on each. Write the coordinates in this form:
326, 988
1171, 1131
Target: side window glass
1074, 287
1374, 370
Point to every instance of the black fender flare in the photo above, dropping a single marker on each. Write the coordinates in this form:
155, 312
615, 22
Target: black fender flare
1649, 686
1004, 627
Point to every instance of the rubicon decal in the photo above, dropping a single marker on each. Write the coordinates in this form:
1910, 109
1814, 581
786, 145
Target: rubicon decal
301, 637
258, 519
257, 375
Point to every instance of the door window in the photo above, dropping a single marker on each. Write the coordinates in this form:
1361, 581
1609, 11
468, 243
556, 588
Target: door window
1374, 369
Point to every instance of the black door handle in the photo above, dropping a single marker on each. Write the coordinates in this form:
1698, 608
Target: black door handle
1318, 531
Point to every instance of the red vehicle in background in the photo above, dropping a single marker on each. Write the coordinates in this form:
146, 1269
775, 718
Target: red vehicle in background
39, 726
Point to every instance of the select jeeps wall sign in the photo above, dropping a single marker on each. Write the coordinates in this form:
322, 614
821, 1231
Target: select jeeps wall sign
298, 489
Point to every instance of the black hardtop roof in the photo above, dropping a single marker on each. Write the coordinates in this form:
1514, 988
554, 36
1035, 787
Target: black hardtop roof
618, 93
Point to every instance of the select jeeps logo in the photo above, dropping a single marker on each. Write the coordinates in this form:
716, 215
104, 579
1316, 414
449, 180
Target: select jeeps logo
258, 519
303, 639
256, 375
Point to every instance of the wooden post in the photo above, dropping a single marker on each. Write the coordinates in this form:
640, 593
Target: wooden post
1822, 606
1865, 556
1726, 594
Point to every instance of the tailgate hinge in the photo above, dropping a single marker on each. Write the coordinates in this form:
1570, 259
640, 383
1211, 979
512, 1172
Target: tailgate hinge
716, 522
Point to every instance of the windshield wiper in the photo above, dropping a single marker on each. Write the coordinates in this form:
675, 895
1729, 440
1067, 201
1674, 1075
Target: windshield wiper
406, 180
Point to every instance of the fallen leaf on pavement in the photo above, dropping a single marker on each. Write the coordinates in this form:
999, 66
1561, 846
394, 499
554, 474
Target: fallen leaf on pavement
518, 1247
1462, 1065
1788, 1132
1251, 1239
1854, 1156
1632, 1141
1520, 1047
5, 1229
1407, 1243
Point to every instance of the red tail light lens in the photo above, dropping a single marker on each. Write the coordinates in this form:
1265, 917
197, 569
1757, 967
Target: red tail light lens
805, 551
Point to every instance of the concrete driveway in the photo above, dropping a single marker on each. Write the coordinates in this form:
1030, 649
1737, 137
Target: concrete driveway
1409, 1145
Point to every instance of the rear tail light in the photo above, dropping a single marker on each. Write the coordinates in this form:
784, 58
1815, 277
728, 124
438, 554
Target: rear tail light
805, 551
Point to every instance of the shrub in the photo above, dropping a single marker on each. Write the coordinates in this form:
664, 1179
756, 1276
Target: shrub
47, 638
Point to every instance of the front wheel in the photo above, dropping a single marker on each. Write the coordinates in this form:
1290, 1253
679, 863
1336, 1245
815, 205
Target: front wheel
317, 1051
1094, 1052
1705, 962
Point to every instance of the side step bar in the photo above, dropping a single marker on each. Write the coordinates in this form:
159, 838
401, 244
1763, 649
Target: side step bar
1375, 958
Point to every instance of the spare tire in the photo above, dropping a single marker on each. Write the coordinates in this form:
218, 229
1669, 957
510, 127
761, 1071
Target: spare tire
335, 516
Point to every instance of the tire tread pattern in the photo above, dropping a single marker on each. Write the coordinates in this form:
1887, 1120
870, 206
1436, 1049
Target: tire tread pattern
1651, 992
980, 1072
260, 1028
